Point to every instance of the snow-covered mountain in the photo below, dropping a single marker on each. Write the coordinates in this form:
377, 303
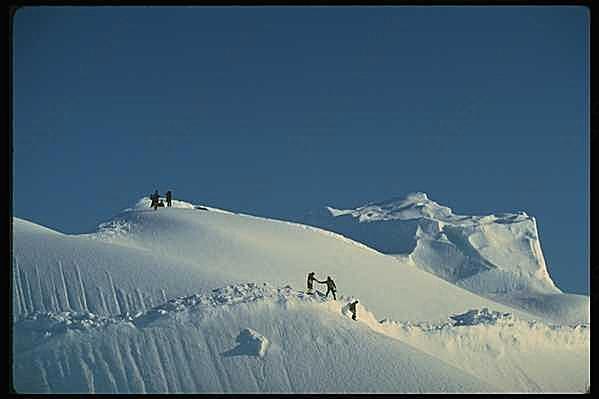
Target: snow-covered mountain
255, 338
197, 299
498, 256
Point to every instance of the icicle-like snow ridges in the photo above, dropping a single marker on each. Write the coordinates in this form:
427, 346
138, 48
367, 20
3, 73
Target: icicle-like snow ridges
507, 329
494, 346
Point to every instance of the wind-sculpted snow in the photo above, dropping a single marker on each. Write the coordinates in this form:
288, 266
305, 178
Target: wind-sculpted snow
92, 313
179, 251
483, 316
113, 230
55, 272
503, 350
195, 343
302, 346
417, 206
498, 256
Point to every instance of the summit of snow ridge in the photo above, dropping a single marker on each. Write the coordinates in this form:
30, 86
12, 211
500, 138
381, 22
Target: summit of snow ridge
133, 219
145, 202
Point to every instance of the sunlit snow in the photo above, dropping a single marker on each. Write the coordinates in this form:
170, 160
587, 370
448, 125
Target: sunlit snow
197, 299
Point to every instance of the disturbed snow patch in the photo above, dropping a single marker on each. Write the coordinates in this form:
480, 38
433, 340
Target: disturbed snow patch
181, 309
50, 323
38, 327
484, 316
250, 343
112, 230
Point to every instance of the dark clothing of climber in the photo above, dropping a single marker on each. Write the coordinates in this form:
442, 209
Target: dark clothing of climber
331, 287
169, 198
311, 279
154, 197
352, 309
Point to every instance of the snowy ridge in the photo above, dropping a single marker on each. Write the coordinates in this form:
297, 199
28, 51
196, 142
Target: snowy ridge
477, 337
497, 347
218, 242
33, 228
200, 305
92, 313
175, 252
417, 205
180, 308
318, 230
498, 256
55, 272
484, 316
143, 204
121, 225
203, 306
245, 344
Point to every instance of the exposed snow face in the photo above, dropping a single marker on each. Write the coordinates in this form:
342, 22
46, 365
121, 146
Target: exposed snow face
503, 350
497, 255
151, 255
201, 343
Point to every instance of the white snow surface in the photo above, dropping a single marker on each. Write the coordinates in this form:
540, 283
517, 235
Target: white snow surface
498, 256
159, 301
201, 343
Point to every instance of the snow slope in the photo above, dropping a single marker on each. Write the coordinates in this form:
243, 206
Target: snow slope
144, 256
59, 272
255, 338
92, 312
498, 256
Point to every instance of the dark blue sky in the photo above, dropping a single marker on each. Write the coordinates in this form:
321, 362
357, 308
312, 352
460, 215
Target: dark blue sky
276, 111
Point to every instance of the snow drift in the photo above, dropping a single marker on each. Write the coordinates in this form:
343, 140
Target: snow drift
202, 343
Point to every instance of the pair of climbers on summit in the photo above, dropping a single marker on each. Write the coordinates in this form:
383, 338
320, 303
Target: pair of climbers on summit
157, 202
331, 287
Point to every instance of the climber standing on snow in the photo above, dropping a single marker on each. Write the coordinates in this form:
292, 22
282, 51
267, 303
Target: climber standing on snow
331, 287
169, 198
311, 280
352, 309
154, 197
